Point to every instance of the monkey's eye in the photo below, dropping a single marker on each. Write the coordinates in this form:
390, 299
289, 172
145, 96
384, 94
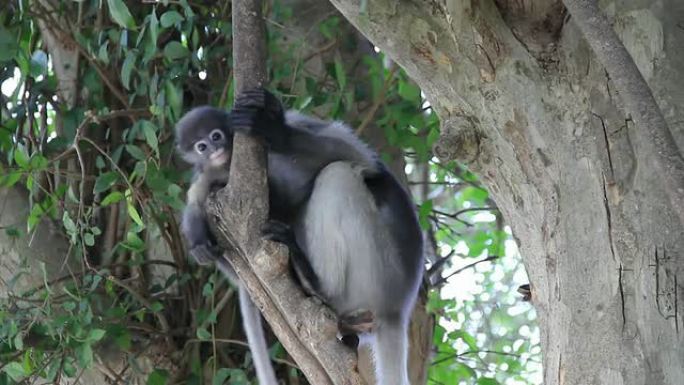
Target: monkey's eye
200, 147
216, 135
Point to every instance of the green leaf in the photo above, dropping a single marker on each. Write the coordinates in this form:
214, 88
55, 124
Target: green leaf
10, 179
15, 371
409, 92
96, 335
174, 50
154, 27
18, 342
340, 74
158, 377
157, 307
38, 162
127, 69
148, 130
203, 334
133, 213
103, 53
21, 158
112, 197
120, 14
84, 353
487, 381
105, 181
8, 44
136, 152
221, 376
175, 99
134, 242
69, 224
424, 212
89, 239
170, 18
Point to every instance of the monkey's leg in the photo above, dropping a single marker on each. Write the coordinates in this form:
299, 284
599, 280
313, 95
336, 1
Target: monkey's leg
282, 233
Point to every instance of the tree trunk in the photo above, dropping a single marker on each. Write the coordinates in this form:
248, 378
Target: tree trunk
526, 104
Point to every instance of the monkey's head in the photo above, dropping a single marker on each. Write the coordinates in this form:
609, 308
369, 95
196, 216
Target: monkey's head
204, 137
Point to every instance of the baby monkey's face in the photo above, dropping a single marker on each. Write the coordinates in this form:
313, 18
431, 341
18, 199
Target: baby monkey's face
212, 148
204, 137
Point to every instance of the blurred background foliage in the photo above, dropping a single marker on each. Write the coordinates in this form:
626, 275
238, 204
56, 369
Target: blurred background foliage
90, 92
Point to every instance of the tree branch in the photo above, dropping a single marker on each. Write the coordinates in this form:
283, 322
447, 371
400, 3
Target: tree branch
304, 326
660, 148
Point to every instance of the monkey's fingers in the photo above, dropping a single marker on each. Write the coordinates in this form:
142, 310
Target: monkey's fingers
255, 97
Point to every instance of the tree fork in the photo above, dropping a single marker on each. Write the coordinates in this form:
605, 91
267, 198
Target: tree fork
305, 327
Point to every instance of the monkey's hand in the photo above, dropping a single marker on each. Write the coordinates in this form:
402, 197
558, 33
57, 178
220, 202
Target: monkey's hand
258, 113
196, 232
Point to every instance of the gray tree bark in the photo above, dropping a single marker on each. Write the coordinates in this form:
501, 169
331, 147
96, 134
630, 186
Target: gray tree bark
526, 104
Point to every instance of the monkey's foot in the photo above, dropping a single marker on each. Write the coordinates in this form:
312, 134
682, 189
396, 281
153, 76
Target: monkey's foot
356, 322
280, 232
351, 341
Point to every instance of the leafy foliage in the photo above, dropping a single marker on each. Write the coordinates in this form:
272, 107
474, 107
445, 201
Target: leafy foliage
102, 172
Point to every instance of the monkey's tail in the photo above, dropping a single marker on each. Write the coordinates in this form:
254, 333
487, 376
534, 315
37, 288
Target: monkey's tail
251, 321
390, 350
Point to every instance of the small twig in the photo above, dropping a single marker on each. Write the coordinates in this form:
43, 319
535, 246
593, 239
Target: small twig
458, 355
147, 304
378, 101
443, 280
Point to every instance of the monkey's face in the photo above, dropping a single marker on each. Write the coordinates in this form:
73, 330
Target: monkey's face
204, 137
212, 148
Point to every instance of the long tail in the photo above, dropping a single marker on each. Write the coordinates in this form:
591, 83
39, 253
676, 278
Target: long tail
391, 353
251, 321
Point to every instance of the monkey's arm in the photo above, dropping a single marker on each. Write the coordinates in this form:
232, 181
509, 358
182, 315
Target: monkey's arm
314, 143
194, 227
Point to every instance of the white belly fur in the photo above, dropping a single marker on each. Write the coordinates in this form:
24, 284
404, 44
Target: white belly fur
343, 237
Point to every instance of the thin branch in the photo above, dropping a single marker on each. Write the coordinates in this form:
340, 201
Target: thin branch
443, 280
459, 355
378, 101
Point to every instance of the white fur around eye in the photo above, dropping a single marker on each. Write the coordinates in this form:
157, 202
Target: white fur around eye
201, 147
214, 132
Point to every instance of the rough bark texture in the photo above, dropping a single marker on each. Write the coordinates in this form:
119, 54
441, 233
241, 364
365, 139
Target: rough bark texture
548, 134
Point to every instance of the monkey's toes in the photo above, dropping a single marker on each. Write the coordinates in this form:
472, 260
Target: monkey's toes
356, 322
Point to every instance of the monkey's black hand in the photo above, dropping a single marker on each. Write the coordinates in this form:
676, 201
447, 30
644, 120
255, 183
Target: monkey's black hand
199, 239
259, 113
